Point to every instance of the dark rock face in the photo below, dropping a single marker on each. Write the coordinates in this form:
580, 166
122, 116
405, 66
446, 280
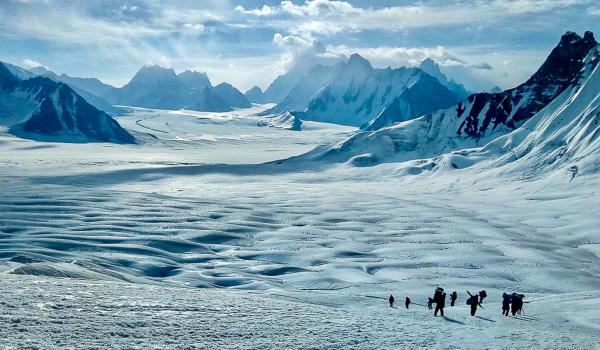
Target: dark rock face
487, 111
58, 113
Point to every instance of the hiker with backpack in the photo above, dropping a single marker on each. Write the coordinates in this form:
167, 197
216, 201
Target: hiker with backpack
407, 302
517, 303
391, 300
473, 301
439, 298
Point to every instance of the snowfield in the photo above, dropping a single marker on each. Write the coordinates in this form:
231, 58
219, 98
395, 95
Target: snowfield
202, 236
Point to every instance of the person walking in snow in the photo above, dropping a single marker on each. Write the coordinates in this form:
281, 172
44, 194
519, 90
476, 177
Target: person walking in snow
430, 303
407, 302
391, 300
473, 301
439, 297
517, 303
505, 304
453, 297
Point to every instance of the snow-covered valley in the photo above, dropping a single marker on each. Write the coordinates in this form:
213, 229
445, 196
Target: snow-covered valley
202, 237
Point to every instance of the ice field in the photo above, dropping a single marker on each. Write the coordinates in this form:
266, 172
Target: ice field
203, 236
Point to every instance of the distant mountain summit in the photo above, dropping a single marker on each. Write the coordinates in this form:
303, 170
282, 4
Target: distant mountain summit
232, 96
356, 94
430, 67
255, 95
42, 108
162, 88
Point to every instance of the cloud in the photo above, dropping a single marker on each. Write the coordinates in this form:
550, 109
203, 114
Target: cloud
400, 56
486, 66
266, 10
28, 63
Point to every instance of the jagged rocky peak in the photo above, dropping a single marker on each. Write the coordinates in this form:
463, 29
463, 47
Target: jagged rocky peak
194, 79
566, 59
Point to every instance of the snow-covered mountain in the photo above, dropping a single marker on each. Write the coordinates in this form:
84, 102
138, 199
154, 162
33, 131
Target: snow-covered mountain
355, 93
305, 90
232, 96
564, 135
255, 95
475, 121
162, 88
283, 84
431, 67
39, 107
91, 89
424, 95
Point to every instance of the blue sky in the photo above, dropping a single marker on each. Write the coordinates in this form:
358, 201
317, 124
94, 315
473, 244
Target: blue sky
482, 43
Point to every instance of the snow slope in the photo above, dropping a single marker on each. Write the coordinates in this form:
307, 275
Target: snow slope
563, 137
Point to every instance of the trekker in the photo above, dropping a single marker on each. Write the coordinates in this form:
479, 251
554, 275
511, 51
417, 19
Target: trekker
473, 301
407, 302
391, 300
482, 295
517, 303
505, 304
453, 297
440, 301
430, 303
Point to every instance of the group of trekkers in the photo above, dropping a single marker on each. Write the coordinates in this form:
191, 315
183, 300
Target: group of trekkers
512, 303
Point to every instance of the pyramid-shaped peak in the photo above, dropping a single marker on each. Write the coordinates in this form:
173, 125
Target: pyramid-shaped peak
357, 60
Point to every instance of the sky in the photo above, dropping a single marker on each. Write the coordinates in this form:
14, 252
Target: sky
480, 43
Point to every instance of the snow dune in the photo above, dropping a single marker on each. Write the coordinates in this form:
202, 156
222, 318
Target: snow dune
204, 202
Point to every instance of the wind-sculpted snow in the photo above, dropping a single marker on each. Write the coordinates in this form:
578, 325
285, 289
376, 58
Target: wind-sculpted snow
54, 313
107, 247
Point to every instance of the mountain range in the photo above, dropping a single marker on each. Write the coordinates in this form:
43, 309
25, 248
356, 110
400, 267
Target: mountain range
354, 93
162, 88
485, 117
41, 108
